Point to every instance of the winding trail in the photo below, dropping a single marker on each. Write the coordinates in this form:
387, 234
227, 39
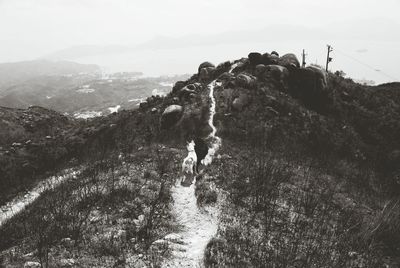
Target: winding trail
18, 204
198, 225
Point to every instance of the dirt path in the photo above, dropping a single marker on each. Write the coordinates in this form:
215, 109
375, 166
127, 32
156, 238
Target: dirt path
199, 225
19, 203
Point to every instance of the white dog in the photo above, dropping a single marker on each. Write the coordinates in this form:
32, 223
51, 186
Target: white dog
190, 162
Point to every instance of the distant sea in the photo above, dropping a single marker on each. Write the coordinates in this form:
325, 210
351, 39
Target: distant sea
359, 59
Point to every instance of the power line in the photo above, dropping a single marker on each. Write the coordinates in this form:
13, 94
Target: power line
367, 65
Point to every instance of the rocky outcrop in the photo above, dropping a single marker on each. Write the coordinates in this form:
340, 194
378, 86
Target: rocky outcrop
274, 53
171, 116
321, 76
206, 74
289, 61
205, 64
310, 85
222, 68
255, 58
189, 92
178, 86
278, 74
260, 70
206, 71
225, 77
246, 80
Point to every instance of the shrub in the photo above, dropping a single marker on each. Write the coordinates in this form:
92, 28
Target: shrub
204, 193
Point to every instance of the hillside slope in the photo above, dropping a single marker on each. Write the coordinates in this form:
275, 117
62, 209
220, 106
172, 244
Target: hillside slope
307, 174
17, 72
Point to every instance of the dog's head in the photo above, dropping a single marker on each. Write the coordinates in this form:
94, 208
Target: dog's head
190, 146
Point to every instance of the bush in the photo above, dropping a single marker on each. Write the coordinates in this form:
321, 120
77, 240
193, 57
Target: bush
204, 193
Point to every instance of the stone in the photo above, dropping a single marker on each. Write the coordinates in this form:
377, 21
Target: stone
275, 53
245, 80
222, 67
206, 74
205, 64
171, 115
320, 75
226, 76
154, 110
267, 59
187, 91
259, 70
289, 60
254, 58
178, 86
277, 72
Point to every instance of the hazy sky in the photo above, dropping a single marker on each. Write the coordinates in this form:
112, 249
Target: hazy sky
32, 28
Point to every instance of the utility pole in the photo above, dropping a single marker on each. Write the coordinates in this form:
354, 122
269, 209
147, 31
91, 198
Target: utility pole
303, 57
328, 59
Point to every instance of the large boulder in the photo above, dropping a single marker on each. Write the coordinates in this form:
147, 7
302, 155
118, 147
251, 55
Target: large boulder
254, 58
241, 65
187, 91
171, 116
320, 74
178, 86
205, 64
260, 70
277, 72
226, 77
206, 74
246, 80
268, 59
289, 60
310, 85
274, 53
222, 68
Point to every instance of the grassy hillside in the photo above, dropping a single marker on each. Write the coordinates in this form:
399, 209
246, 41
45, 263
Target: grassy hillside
307, 175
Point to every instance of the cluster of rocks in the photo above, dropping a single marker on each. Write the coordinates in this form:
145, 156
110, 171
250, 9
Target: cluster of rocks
257, 70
